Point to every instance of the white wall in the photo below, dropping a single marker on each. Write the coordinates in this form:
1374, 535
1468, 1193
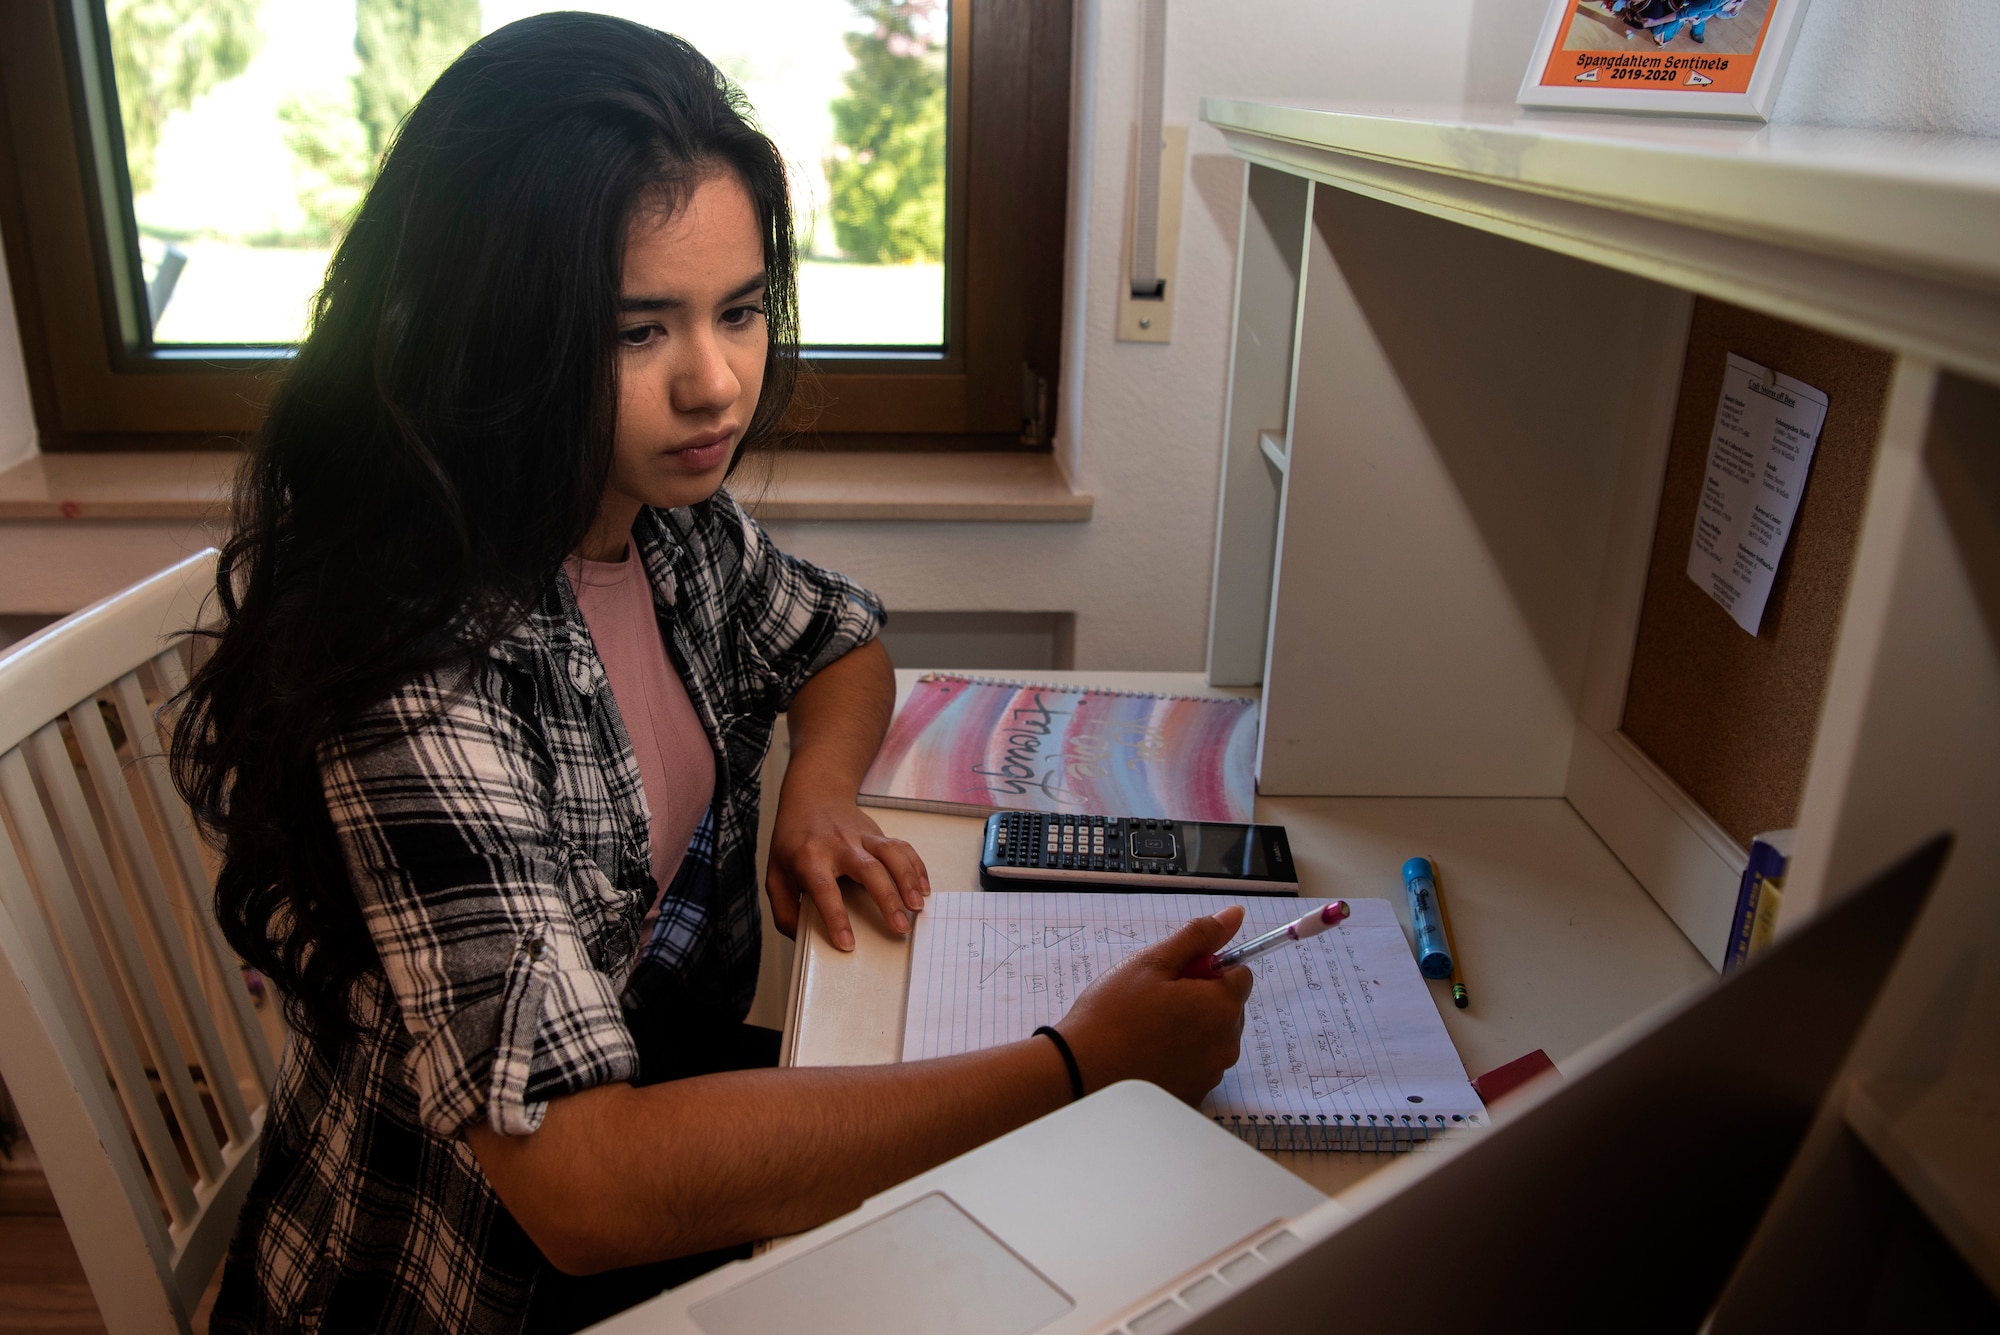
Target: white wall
1141, 424
1922, 65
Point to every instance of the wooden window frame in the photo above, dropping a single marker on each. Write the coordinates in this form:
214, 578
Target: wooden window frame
992, 388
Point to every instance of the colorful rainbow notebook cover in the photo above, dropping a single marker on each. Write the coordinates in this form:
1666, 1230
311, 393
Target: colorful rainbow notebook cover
973, 745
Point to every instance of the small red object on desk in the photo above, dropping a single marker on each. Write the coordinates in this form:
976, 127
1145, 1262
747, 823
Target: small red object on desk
1501, 1081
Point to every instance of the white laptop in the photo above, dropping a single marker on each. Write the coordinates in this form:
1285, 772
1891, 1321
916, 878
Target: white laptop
1052, 1229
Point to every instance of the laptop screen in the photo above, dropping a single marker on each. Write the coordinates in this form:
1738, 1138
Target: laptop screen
1622, 1199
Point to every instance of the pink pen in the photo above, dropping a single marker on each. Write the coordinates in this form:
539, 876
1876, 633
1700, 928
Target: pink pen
1319, 920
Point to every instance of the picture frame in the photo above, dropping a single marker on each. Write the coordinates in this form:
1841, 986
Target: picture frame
1674, 57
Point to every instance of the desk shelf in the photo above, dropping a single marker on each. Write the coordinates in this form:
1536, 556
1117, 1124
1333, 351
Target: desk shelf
1483, 315
1891, 239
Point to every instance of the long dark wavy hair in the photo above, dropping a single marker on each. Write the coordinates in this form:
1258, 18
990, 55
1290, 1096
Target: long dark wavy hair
443, 438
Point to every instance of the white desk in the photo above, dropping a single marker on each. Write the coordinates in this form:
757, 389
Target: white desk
1560, 944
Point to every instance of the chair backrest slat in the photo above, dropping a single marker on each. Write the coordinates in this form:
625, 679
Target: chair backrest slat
121, 942
64, 904
145, 733
173, 678
84, 1145
111, 958
48, 672
100, 885
181, 988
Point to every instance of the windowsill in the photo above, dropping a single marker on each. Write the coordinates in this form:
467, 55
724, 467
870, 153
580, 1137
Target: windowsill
1007, 487
167, 485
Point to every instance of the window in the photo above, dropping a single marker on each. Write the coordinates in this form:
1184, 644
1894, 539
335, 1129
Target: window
927, 141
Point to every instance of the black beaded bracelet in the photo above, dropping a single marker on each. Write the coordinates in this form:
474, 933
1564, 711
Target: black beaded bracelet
1069, 1060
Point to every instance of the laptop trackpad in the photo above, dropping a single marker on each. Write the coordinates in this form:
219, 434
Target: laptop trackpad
928, 1268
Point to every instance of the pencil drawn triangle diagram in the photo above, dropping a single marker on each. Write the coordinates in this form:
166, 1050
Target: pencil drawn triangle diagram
1056, 936
1697, 80
995, 949
1588, 76
1121, 933
1326, 1086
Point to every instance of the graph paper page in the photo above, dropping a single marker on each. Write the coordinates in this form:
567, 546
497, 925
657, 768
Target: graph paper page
1340, 1024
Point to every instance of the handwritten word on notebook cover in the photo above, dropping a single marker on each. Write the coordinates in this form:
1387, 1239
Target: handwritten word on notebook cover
1342, 1044
971, 745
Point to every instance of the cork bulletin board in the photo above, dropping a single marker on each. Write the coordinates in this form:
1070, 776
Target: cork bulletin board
1729, 716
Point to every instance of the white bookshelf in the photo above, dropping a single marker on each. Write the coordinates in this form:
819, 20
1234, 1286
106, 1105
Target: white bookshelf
1458, 342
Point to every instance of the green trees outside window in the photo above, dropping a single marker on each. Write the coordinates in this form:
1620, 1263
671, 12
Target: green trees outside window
167, 53
253, 128
402, 46
886, 178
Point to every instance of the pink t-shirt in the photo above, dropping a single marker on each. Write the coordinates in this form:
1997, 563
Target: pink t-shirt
676, 765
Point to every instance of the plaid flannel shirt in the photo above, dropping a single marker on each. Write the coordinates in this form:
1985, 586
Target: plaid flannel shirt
497, 839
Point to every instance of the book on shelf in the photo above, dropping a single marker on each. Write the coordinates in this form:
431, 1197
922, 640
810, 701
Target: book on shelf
971, 746
1759, 897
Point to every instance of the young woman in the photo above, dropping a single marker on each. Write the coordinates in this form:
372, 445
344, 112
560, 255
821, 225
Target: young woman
481, 732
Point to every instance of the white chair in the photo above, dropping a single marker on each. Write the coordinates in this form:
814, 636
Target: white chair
118, 993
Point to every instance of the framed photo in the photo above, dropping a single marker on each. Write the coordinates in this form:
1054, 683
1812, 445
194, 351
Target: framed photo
1682, 57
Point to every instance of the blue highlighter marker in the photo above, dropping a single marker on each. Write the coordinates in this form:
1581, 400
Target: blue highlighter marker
1433, 947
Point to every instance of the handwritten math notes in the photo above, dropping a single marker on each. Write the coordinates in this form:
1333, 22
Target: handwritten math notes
1341, 1025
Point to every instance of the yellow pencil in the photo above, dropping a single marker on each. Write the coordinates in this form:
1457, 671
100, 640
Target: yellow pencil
1458, 997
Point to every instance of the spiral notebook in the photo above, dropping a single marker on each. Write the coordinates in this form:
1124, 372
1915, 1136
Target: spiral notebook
968, 746
1343, 1048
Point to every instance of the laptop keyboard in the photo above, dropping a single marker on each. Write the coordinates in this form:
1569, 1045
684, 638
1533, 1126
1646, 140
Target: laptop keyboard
1212, 1286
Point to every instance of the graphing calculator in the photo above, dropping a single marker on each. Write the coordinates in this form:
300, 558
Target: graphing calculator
1037, 850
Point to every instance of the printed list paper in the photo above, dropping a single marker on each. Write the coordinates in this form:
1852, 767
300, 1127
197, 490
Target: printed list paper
1340, 1025
1766, 428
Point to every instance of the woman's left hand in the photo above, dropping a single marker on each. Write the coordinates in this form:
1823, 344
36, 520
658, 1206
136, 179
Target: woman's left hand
815, 842
835, 723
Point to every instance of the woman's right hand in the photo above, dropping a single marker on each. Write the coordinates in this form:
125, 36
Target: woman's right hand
1143, 1021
